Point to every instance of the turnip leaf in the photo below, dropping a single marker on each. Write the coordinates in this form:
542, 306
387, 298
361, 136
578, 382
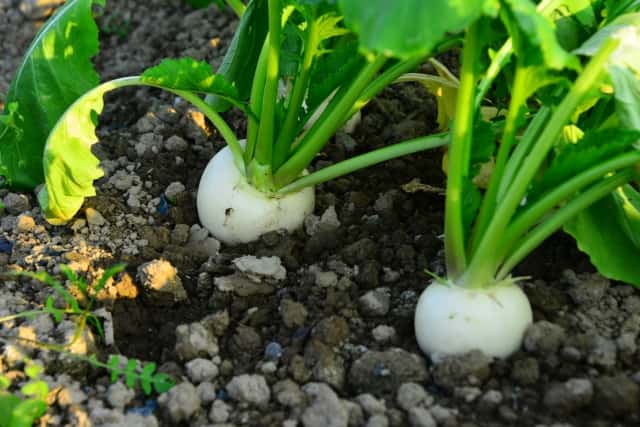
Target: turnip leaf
55, 71
593, 148
609, 232
627, 96
410, 27
187, 74
330, 71
626, 29
69, 165
240, 60
534, 38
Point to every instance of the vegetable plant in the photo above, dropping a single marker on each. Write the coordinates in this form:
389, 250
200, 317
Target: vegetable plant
78, 302
565, 155
256, 184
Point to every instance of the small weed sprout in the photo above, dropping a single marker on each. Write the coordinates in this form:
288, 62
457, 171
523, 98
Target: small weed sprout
30, 403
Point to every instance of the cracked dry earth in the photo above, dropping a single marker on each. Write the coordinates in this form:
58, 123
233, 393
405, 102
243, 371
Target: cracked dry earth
310, 329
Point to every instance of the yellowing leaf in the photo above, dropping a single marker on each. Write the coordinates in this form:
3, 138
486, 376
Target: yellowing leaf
444, 87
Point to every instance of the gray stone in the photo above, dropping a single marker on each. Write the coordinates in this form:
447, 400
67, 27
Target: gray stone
119, 395
370, 404
15, 203
384, 202
293, 313
377, 371
123, 181
249, 389
588, 288
444, 416
94, 218
326, 409
195, 340
356, 414
490, 400
201, 370
544, 337
568, 397
384, 334
209, 247
288, 393
329, 367
175, 143
326, 279
616, 395
410, 395
173, 190
360, 251
71, 395
421, 417
467, 369
378, 420
217, 322
206, 392
245, 340
242, 286
181, 402
328, 221
525, 371
375, 302
219, 412
258, 269
180, 234
161, 281
603, 352
25, 224
331, 330
467, 393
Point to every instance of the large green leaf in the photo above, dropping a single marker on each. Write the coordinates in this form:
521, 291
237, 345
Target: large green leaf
626, 29
609, 232
410, 27
534, 37
55, 71
627, 96
574, 21
594, 148
69, 165
241, 58
330, 71
189, 75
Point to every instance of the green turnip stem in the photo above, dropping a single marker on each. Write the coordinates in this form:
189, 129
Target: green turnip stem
383, 80
484, 264
328, 123
215, 118
220, 124
255, 102
260, 167
237, 6
523, 148
504, 54
459, 153
366, 160
500, 59
534, 213
519, 95
300, 85
534, 238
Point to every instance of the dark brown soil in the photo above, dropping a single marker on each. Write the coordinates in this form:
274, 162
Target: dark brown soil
387, 238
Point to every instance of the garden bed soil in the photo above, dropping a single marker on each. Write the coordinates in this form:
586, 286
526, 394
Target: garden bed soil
313, 328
